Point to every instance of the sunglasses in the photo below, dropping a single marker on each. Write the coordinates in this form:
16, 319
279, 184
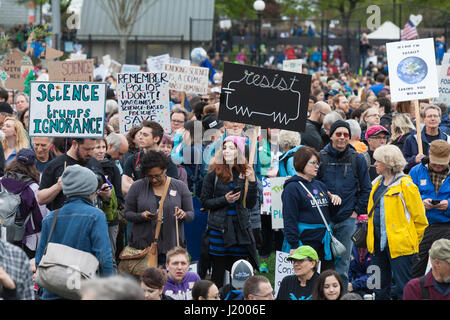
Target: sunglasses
339, 134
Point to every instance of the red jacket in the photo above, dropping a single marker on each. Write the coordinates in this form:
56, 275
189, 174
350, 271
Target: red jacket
413, 291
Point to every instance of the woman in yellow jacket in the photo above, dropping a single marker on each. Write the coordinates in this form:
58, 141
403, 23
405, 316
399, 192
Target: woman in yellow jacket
396, 223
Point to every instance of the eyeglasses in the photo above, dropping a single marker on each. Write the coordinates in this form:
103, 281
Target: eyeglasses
204, 99
158, 176
314, 163
339, 134
378, 138
177, 121
270, 294
294, 261
432, 116
373, 115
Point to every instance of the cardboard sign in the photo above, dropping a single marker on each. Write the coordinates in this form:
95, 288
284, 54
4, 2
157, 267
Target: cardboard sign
193, 80
73, 70
156, 64
143, 96
14, 68
293, 65
67, 109
264, 97
412, 70
444, 81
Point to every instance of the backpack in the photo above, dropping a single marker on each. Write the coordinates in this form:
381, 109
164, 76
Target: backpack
9, 207
325, 162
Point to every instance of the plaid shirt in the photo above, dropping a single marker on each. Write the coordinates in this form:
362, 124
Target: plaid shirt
437, 178
17, 265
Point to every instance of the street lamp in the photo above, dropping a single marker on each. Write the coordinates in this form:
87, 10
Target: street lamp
259, 6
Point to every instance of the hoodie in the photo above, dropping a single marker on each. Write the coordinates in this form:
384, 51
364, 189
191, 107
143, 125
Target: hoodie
299, 207
181, 290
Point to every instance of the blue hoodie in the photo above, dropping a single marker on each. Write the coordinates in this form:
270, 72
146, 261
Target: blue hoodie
303, 224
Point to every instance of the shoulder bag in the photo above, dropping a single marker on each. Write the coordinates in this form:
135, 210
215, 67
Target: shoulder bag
62, 268
337, 248
134, 261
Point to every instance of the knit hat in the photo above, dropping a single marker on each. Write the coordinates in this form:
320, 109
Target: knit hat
338, 124
5, 108
240, 271
374, 130
78, 181
238, 141
304, 252
440, 249
439, 152
27, 157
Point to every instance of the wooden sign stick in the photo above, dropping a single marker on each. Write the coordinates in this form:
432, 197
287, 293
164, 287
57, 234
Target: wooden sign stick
418, 128
183, 96
251, 159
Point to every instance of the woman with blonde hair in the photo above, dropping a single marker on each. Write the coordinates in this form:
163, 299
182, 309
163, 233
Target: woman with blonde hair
15, 138
401, 127
396, 222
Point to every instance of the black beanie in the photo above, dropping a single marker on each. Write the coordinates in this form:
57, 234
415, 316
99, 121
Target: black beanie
339, 124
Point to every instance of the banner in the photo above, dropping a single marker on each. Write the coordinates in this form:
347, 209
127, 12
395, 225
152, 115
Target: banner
73, 70
264, 97
67, 109
14, 69
412, 70
444, 81
189, 79
143, 96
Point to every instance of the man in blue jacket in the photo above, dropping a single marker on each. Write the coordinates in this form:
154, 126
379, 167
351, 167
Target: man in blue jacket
432, 178
430, 132
80, 224
345, 174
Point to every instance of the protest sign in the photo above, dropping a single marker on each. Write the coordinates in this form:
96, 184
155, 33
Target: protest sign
293, 65
156, 64
143, 96
188, 79
283, 268
412, 70
14, 68
127, 68
67, 109
73, 70
444, 81
179, 61
272, 189
264, 97
77, 56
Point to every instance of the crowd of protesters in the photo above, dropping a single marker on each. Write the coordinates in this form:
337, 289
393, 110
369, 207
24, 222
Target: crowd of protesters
358, 161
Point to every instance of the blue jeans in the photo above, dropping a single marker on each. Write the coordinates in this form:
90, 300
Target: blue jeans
399, 269
343, 231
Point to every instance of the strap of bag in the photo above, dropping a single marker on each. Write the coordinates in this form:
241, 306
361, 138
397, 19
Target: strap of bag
318, 207
160, 210
55, 216
381, 195
425, 293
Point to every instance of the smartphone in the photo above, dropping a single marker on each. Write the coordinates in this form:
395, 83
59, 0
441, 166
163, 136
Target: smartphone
236, 189
435, 202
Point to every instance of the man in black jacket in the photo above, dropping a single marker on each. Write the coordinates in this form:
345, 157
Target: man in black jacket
312, 135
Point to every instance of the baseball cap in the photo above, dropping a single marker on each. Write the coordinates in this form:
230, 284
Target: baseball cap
210, 121
440, 249
304, 252
240, 271
26, 156
374, 130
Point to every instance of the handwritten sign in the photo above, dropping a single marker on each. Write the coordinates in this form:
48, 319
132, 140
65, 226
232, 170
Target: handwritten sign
193, 80
126, 68
272, 189
283, 268
264, 97
412, 70
14, 68
67, 109
156, 64
444, 81
73, 70
143, 96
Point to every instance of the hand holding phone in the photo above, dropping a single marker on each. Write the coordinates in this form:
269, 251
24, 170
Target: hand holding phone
435, 202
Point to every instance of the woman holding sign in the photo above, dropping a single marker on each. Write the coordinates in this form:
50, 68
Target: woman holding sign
229, 229
302, 196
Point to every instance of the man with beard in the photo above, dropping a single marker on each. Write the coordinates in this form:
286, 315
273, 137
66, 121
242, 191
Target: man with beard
50, 188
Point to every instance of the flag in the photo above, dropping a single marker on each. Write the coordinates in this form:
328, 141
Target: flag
409, 32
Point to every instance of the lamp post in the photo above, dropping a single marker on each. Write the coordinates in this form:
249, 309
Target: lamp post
259, 6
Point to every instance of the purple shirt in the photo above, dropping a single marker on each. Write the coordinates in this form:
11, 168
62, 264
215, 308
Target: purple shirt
181, 290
